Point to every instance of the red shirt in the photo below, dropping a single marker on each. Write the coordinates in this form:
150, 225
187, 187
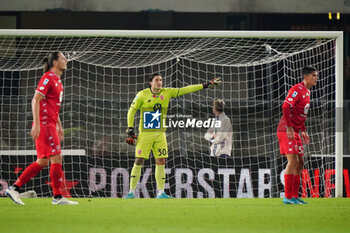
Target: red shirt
295, 108
50, 86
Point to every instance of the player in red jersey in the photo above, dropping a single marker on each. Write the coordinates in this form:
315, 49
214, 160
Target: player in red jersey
46, 129
295, 109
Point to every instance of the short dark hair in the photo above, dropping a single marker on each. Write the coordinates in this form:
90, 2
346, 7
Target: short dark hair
219, 105
152, 77
308, 70
48, 60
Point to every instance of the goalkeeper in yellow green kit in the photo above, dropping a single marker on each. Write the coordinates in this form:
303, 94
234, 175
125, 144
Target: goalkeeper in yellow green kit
153, 103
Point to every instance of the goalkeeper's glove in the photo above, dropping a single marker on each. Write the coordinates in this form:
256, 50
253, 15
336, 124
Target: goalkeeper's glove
131, 139
213, 82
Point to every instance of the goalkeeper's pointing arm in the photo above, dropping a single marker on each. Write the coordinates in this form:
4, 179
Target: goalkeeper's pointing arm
193, 88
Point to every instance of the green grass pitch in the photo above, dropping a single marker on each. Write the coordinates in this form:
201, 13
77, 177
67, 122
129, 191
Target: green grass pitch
99, 215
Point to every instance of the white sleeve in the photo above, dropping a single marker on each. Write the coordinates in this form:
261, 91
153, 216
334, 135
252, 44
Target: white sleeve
209, 134
225, 128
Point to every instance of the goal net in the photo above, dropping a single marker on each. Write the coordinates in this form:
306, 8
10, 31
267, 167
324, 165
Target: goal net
106, 70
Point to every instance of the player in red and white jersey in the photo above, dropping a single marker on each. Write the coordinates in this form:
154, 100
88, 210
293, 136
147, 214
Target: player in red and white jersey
295, 109
46, 129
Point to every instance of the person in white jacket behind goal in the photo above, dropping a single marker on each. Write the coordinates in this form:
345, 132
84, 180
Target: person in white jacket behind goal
221, 138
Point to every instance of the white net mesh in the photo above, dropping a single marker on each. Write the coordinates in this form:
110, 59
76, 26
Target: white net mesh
105, 73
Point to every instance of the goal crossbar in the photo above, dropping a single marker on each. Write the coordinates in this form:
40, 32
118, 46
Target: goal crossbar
165, 33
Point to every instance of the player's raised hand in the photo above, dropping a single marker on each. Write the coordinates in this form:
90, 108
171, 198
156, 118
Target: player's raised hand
131, 139
212, 83
35, 131
306, 137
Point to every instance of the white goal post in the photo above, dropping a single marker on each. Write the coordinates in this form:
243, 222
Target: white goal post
338, 64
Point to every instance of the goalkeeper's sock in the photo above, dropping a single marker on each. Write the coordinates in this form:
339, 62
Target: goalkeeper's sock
160, 177
56, 178
160, 191
296, 184
135, 176
28, 174
288, 185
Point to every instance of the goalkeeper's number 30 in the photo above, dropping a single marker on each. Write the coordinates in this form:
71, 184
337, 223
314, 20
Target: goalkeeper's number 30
161, 152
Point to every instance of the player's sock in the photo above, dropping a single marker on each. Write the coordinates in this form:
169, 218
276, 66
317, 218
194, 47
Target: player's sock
28, 174
288, 185
296, 184
56, 178
135, 176
160, 178
16, 187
